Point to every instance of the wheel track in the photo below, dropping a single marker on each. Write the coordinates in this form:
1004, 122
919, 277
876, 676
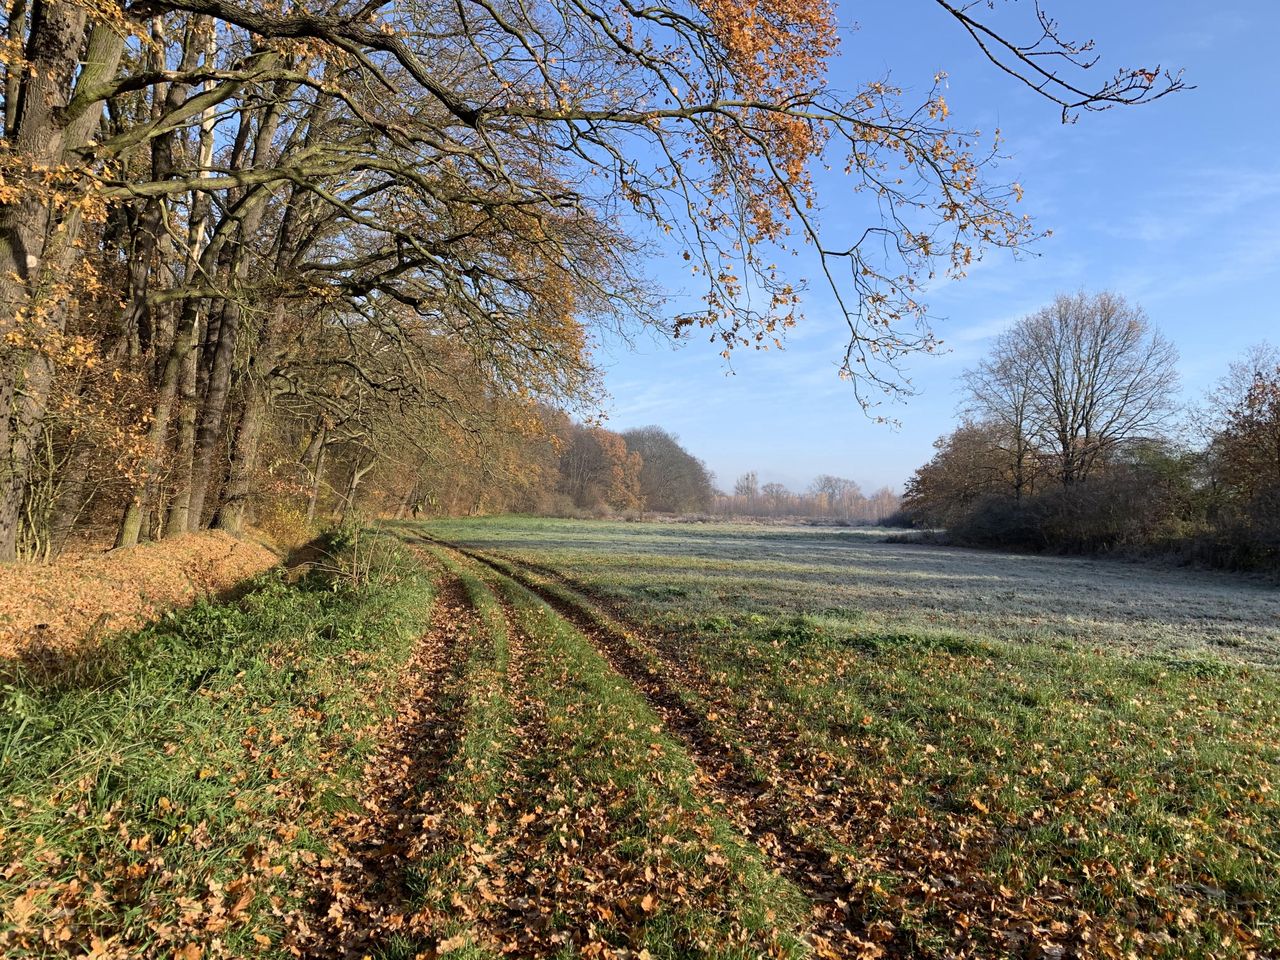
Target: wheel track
505, 922
362, 889
975, 893
747, 800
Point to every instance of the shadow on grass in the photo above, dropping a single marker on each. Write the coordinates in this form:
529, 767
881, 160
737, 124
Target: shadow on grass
104, 657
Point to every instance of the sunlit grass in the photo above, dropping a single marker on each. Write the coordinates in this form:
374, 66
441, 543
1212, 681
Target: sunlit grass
629, 790
174, 781
1129, 782
1141, 608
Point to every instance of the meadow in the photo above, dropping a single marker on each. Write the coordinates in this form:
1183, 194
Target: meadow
988, 754
527, 737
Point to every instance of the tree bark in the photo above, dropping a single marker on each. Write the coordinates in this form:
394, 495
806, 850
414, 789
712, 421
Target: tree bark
358, 473
72, 497
178, 520
317, 478
13, 77
36, 249
158, 432
214, 406
232, 513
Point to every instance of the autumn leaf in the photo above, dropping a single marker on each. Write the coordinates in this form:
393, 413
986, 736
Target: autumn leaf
450, 944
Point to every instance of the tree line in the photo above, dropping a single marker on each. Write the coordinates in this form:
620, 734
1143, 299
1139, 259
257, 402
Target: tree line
828, 497
562, 468
250, 249
571, 468
1071, 437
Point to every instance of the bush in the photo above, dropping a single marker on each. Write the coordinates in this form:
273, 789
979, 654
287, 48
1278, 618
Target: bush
901, 517
998, 522
1241, 539
1126, 513
285, 526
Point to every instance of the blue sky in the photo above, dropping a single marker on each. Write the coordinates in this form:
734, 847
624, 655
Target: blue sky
1176, 205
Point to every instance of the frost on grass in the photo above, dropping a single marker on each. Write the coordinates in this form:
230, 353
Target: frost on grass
1138, 607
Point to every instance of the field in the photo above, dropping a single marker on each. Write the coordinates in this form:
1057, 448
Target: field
518, 737
1144, 608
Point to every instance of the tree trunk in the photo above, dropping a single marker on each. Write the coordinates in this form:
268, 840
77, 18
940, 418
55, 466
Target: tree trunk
214, 407
72, 497
244, 462
313, 463
178, 521
317, 478
158, 433
13, 74
35, 251
353, 483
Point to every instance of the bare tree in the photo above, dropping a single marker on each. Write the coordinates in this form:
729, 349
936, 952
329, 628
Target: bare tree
672, 480
999, 396
837, 497
1076, 379
248, 175
776, 497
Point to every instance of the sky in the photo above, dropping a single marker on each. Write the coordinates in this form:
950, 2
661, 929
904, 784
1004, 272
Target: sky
1176, 205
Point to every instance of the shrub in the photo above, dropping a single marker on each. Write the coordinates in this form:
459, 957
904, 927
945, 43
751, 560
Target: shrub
285, 526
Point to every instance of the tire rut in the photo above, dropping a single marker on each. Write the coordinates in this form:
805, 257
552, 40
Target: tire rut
745, 798
362, 886
960, 897
496, 901
530, 830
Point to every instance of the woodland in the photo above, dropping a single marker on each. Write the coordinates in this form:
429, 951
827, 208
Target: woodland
1072, 439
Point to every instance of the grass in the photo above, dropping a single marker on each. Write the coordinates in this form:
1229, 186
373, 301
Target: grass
199, 788
585, 826
476, 775
1136, 608
986, 785
635, 740
165, 796
711, 892
1124, 785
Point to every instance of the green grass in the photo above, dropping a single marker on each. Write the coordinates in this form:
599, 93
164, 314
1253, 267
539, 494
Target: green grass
678, 568
474, 781
983, 766
167, 793
600, 815
1120, 781
1022, 774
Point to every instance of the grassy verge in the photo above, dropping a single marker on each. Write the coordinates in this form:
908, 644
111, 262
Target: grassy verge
160, 800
